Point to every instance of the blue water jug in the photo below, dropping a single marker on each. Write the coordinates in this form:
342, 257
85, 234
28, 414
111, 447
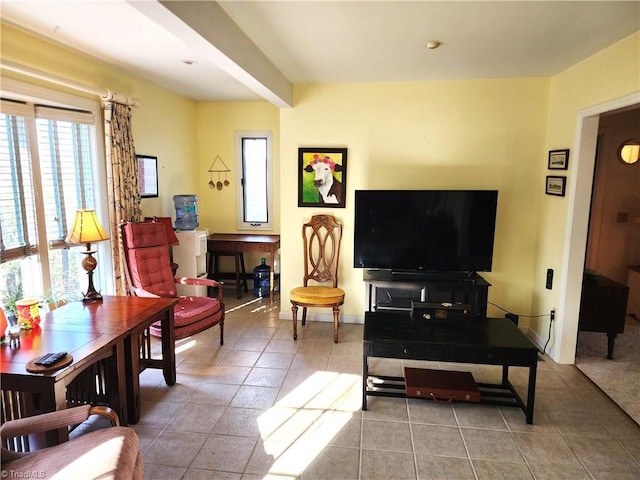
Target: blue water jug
261, 280
186, 211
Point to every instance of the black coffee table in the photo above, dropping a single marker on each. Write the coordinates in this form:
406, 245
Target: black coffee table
492, 341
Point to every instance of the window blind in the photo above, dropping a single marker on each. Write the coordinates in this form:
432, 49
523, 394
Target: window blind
17, 198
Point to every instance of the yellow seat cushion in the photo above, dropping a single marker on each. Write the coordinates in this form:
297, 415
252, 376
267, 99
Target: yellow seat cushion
317, 295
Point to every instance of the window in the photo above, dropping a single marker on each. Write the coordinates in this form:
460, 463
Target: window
253, 159
49, 168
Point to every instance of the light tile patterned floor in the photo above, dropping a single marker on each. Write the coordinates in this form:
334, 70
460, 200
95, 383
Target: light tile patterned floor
266, 407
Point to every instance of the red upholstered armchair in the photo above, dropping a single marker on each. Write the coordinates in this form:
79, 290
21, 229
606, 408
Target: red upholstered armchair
149, 275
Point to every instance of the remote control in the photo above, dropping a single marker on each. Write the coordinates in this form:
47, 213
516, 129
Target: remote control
51, 358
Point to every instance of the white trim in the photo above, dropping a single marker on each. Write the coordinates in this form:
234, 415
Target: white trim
240, 223
28, 92
580, 186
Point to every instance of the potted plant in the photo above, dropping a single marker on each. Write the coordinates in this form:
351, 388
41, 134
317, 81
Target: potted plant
12, 295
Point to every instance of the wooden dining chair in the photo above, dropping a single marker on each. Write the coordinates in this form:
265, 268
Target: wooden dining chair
321, 237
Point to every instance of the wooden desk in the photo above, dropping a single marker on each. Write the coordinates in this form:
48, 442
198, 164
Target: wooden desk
238, 243
110, 331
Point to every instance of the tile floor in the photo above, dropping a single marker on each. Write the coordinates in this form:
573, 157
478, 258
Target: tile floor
266, 407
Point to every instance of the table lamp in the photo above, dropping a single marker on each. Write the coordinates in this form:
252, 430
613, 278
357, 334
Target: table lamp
86, 229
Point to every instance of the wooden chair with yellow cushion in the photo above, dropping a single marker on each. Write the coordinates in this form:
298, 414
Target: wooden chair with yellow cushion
321, 236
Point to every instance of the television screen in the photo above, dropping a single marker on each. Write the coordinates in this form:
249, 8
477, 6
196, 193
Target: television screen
425, 230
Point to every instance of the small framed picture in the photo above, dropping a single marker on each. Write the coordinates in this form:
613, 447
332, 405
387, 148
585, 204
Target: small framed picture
556, 186
322, 177
558, 159
147, 175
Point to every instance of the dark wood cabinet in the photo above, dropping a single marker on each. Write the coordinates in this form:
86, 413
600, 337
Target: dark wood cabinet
387, 290
603, 307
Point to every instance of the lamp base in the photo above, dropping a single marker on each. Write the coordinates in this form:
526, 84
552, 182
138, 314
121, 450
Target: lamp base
89, 264
92, 297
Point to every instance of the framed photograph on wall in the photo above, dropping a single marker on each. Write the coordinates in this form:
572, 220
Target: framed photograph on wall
322, 177
558, 159
147, 175
556, 186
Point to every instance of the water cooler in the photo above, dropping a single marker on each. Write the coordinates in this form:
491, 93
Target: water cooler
186, 212
261, 279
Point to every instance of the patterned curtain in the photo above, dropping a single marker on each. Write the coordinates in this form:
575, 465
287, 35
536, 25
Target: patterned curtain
122, 182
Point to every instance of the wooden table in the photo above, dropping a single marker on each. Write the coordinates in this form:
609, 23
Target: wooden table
105, 339
235, 244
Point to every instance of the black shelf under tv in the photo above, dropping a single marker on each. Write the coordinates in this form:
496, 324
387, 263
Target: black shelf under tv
389, 290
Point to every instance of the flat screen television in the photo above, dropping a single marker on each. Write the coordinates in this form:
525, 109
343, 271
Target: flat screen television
425, 230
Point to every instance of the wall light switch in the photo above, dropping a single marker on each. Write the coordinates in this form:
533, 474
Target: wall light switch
549, 284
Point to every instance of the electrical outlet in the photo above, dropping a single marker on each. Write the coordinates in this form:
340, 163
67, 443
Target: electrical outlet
552, 316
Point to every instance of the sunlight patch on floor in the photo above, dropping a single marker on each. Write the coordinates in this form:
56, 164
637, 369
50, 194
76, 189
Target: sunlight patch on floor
184, 346
242, 305
305, 421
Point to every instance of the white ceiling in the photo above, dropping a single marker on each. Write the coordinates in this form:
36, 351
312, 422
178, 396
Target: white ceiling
280, 43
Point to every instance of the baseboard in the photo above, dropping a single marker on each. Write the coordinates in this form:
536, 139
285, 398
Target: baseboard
322, 317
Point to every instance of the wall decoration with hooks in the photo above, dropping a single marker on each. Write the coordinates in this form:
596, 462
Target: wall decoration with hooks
219, 168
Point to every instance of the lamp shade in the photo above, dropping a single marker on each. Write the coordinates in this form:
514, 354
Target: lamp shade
86, 228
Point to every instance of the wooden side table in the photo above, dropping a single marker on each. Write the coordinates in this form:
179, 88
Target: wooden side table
236, 244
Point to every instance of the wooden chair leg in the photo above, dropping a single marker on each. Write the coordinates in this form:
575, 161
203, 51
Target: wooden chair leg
244, 273
294, 316
238, 284
304, 315
336, 323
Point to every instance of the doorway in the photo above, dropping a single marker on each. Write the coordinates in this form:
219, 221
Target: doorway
612, 245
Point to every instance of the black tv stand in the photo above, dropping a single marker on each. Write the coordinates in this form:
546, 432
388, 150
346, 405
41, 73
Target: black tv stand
429, 274
394, 290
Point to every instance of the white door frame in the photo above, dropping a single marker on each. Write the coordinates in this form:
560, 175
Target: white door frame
579, 188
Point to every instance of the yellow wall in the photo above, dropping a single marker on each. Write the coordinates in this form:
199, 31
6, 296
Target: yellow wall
217, 124
604, 77
429, 135
165, 125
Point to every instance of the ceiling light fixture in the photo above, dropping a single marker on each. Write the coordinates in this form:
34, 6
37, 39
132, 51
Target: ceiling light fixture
433, 44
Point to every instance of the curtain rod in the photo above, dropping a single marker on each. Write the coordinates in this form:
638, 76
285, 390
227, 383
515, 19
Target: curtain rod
103, 93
